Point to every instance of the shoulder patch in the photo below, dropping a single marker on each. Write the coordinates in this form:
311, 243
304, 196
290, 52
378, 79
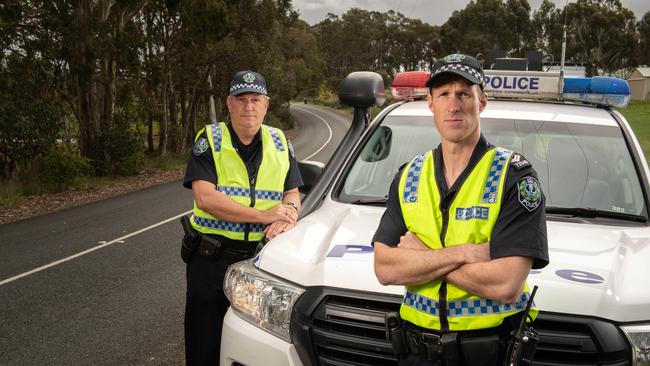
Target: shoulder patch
529, 192
519, 162
200, 146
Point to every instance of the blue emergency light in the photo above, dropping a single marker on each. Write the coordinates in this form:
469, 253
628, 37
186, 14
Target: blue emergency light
598, 90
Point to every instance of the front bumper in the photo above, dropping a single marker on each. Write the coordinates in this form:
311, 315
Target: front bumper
245, 344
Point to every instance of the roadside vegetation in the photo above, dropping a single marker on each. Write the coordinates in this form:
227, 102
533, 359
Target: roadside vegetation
95, 91
637, 113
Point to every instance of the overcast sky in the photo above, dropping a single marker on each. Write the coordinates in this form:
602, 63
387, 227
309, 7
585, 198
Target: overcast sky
434, 12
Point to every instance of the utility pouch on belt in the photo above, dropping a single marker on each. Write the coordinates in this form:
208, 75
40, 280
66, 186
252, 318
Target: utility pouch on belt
480, 351
190, 241
210, 246
394, 332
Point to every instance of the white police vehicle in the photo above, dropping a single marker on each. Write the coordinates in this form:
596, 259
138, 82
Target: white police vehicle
311, 296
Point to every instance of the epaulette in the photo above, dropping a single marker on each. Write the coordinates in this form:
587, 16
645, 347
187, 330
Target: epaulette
519, 162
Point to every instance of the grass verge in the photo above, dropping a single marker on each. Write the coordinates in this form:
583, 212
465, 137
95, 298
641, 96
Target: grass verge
637, 113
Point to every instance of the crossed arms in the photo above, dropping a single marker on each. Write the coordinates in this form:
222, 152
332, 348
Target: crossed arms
467, 266
280, 218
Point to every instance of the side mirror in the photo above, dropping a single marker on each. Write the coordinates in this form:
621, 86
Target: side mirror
310, 172
362, 89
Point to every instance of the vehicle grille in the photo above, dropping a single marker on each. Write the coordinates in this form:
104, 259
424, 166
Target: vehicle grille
333, 327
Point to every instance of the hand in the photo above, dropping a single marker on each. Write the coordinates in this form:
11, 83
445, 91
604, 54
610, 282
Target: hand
281, 212
277, 228
475, 253
411, 241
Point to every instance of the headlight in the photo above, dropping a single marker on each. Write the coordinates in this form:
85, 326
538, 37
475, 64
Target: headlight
260, 299
639, 336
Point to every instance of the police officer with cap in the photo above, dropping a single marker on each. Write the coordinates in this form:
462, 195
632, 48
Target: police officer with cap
463, 226
245, 180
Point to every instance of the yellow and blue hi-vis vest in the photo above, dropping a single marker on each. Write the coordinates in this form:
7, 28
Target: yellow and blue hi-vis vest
470, 218
264, 193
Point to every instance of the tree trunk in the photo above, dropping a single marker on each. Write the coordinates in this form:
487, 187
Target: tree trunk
150, 147
164, 122
108, 95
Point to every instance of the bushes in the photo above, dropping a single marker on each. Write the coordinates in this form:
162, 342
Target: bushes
119, 152
60, 169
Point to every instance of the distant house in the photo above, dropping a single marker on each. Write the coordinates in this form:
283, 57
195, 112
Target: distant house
640, 83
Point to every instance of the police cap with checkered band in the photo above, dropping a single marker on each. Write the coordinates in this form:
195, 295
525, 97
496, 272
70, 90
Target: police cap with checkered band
462, 65
247, 82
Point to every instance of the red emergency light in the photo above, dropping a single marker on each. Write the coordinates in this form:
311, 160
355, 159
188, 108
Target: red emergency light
410, 85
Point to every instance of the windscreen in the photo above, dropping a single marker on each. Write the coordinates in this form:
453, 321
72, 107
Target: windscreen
579, 165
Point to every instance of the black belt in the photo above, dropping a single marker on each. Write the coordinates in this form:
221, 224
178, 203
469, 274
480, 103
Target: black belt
211, 246
435, 346
447, 348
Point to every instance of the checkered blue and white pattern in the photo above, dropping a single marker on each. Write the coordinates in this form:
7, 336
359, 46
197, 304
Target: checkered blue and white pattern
421, 303
227, 226
231, 191
494, 175
260, 89
261, 194
413, 180
216, 136
464, 68
277, 140
464, 307
257, 228
268, 195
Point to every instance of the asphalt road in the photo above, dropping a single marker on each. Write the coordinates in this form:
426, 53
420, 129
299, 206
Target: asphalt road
103, 284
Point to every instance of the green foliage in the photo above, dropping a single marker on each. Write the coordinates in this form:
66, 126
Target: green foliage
644, 39
60, 169
381, 42
601, 33
281, 119
479, 28
119, 152
29, 118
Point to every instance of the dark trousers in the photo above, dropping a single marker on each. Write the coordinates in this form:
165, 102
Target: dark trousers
206, 305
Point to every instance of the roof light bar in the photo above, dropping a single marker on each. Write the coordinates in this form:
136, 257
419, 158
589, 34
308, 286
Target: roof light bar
410, 85
528, 85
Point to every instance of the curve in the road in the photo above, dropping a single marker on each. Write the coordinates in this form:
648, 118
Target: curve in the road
329, 138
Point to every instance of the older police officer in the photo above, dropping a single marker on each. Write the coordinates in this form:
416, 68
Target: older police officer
245, 179
463, 226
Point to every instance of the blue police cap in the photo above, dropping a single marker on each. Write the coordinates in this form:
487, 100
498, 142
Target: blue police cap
247, 82
462, 65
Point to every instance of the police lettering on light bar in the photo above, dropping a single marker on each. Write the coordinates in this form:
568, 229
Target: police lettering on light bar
522, 84
512, 83
528, 85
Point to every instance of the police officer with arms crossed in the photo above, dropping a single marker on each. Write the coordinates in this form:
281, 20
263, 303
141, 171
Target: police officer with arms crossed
463, 226
245, 179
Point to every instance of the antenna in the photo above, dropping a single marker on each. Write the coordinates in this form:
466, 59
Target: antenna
561, 83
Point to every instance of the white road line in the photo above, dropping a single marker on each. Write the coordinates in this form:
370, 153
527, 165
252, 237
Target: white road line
328, 127
118, 240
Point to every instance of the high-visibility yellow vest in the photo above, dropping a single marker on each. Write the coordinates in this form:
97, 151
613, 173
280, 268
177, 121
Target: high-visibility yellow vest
470, 219
232, 180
